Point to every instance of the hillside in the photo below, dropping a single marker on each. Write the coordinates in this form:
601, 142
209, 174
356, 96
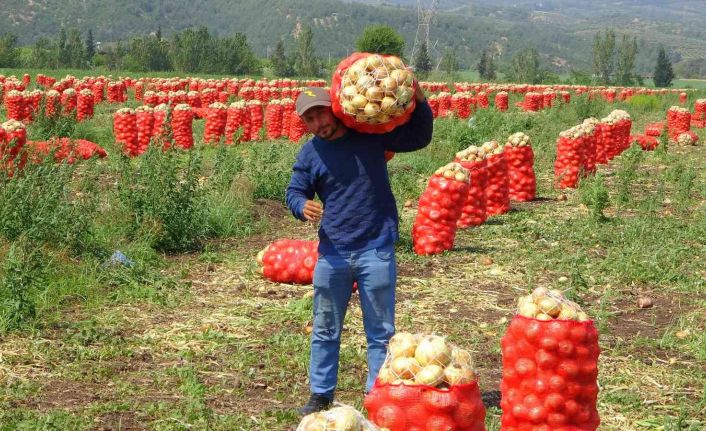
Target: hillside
561, 30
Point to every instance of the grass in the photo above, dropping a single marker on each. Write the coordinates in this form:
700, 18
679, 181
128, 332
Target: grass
195, 339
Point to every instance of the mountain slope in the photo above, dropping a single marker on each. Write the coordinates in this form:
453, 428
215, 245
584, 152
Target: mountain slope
562, 30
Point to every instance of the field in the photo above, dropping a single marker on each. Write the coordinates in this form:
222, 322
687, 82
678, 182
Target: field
190, 336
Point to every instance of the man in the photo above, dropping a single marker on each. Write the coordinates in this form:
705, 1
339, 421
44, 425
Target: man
359, 221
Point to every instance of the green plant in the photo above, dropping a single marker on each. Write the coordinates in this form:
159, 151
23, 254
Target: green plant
629, 162
594, 195
23, 273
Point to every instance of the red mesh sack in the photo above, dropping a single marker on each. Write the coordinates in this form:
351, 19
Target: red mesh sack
125, 130
501, 101
678, 121
683, 98
473, 213
160, 120
297, 128
289, 261
12, 139
51, 102
15, 105
434, 105
590, 145
569, 160
216, 119
236, 115
482, 100
522, 182
273, 119
497, 193
646, 142
444, 99
256, 120
550, 370
287, 109
372, 93
68, 101
84, 105
439, 209
700, 110
182, 126
426, 384
654, 129
144, 118
532, 102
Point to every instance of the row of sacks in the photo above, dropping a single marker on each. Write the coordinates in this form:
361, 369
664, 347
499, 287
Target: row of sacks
26, 105
582, 147
134, 129
481, 182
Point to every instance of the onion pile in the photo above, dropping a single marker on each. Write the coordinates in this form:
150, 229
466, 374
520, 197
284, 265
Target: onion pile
376, 89
289, 261
416, 359
339, 418
543, 304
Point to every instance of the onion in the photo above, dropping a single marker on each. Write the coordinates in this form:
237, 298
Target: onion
454, 375
543, 316
462, 358
374, 94
567, 312
359, 101
433, 350
371, 109
549, 306
314, 422
387, 105
430, 375
402, 344
343, 419
389, 84
539, 293
529, 309
404, 367
385, 375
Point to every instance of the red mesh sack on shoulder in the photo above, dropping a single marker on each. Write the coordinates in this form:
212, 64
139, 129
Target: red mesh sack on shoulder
473, 214
433, 389
550, 369
497, 193
372, 93
289, 261
522, 182
439, 209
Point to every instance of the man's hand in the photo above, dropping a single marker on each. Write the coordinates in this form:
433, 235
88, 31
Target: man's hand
418, 92
313, 210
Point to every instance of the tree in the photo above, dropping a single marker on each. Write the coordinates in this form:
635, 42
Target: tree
234, 56
280, 64
306, 63
603, 55
486, 66
449, 62
525, 67
9, 54
663, 70
191, 50
75, 50
380, 39
148, 54
90, 46
158, 34
422, 62
62, 56
42, 54
626, 61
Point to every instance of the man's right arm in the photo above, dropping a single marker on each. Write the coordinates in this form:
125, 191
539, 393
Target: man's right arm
301, 187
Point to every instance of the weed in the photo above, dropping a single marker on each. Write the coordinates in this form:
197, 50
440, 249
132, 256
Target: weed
594, 195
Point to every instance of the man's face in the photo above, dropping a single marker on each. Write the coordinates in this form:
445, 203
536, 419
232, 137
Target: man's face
321, 122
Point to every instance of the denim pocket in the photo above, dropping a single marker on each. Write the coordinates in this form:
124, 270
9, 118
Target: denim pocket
385, 253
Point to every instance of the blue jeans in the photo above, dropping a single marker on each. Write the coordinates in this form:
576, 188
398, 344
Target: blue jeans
375, 270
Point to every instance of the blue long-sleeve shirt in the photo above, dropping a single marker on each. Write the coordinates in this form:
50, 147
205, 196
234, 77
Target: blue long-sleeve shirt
349, 174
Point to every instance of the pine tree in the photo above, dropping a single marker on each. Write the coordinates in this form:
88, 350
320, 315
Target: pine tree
90, 46
449, 62
158, 35
663, 70
422, 62
486, 66
306, 62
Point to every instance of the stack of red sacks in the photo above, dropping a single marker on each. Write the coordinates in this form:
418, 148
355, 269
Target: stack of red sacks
236, 117
501, 101
439, 210
273, 119
13, 138
289, 261
125, 131
698, 119
522, 183
182, 126
425, 384
550, 366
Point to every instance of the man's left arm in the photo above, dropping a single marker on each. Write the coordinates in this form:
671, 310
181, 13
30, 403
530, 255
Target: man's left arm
416, 133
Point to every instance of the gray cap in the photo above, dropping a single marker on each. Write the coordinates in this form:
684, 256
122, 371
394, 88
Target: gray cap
310, 97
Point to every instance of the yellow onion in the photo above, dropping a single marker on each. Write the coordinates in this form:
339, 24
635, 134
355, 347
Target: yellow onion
402, 344
359, 101
343, 419
374, 94
314, 422
430, 375
433, 350
404, 367
461, 358
529, 309
371, 109
385, 375
454, 375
